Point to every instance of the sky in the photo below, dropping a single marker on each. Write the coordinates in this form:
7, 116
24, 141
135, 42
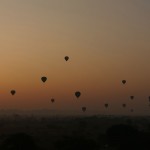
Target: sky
107, 41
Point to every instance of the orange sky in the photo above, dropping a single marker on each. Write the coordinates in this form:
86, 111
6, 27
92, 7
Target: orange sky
107, 41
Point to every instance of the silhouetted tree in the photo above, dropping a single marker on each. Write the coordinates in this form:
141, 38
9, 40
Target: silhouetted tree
140, 142
19, 141
120, 134
76, 143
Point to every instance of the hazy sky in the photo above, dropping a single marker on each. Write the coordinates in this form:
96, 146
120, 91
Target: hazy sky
106, 40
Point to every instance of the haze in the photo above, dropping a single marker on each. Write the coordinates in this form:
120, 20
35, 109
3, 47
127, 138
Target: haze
107, 41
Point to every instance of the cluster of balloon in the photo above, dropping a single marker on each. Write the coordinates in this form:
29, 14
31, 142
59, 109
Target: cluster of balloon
13, 92
52, 100
106, 105
83, 109
124, 105
66, 58
124, 81
131, 97
44, 79
77, 94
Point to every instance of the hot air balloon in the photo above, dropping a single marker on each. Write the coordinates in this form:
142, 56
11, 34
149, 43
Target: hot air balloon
124, 81
132, 97
66, 58
44, 79
52, 100
77, 94
106, 105
124, 105
149, 98
13, 92
83, 109
132, 110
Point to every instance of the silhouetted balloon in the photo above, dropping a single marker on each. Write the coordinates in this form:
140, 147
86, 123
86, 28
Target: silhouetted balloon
83, 109
44, 79
132, 110
52, 100
66, 58
132, 97
13, 92
124, 81
149, 98
106, 105
77, 94
124, 105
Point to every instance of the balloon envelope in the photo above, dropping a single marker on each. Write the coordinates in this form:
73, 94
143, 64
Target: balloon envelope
106, 105
52, 100
132, 110
124, 81
83, 109
66, 58
124, 105
13, 92
44, 79
132, 97
77, 94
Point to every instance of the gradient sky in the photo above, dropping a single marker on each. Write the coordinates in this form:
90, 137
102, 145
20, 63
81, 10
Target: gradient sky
106, 40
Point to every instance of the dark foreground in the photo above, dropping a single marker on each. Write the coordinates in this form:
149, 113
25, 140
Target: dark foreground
74, 133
